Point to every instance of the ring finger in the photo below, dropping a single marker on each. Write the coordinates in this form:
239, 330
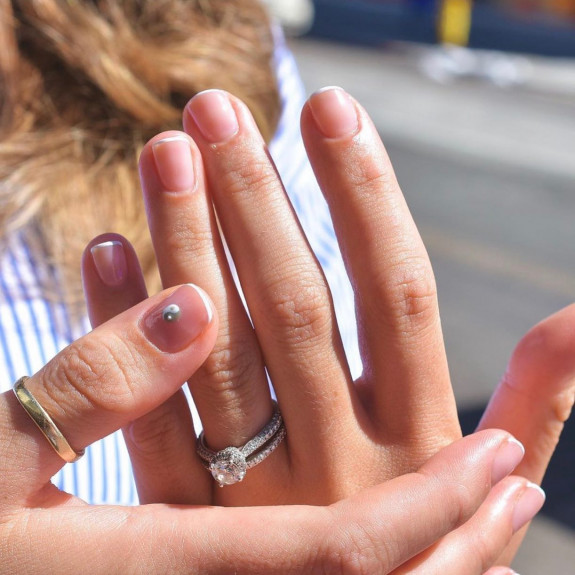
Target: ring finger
286, 291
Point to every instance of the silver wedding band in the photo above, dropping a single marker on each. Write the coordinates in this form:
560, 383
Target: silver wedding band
230, 465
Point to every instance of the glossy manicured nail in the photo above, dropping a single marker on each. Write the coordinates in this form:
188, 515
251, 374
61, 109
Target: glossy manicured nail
174, 163
214, 115
175, 323
529, 503
110, 262
334, 112
507, 458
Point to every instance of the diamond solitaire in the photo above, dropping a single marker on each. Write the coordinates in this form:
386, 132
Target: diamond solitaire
228, 466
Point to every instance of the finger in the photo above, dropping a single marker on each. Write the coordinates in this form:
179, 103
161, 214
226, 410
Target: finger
500, 570
117, 373
162, 446
230, 391
402, 343
420, 517
112, 278
285, 289
372, 532
161, 443
536, 396
477, 544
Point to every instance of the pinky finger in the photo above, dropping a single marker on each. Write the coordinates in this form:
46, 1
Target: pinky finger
161, 442
477, 544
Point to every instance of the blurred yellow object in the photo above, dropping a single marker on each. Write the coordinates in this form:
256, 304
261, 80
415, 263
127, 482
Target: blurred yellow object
455, 22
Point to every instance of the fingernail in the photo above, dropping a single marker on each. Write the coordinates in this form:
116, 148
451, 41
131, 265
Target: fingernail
214, 115
526, 507
507, 458
110, 262
179, 319
334, 112
174, 163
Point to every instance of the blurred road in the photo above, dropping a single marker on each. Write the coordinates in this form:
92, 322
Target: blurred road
489, 174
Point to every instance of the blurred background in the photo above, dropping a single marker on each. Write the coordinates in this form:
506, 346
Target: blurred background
475, 102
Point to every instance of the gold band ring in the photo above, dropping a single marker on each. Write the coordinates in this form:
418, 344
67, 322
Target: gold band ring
45, 423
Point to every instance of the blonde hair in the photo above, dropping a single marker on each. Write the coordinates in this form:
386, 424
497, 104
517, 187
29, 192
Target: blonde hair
84, 84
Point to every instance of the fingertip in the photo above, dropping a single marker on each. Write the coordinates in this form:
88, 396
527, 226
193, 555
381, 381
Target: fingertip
536, 395
507, 458
527, 505
500, 570
110, 261
147, 150
178, 319
174, 162
102, 238
111, 277
334, 112
214, 115
113, 259
492, 453
545, 354
169, 162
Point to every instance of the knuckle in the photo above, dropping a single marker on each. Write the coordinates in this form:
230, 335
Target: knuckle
250, 174
413, 300
371, 175
92, 374
190, 242
230, 370
299, 311
375, 181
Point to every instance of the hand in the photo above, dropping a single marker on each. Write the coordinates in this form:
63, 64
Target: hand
401, 411
134, 364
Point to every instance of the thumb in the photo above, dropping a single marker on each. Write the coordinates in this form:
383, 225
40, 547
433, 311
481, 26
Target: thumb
115, 374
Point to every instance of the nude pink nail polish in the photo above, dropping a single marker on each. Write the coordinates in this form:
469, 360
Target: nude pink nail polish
526, 507
334, 112
214, 115
110, 262
173, 157
176, 322
507, 458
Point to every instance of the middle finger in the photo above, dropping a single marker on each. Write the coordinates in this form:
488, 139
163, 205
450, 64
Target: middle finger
285, 289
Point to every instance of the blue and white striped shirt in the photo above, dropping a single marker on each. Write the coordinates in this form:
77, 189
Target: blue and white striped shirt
33, 328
